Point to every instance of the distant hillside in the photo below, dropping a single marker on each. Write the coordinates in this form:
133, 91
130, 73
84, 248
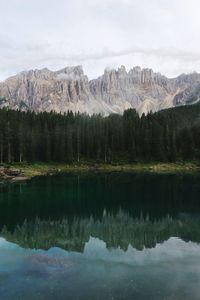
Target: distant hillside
182, 116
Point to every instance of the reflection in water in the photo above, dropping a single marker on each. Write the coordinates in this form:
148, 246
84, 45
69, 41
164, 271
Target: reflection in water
168, 271
88, 195
120, 209
100, 236
120, 230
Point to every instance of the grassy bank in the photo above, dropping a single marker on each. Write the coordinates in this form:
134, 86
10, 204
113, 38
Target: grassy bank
37, 169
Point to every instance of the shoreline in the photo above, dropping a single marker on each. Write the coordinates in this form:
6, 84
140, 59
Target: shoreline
24, 171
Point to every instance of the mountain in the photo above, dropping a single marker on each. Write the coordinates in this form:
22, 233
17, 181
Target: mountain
113, 92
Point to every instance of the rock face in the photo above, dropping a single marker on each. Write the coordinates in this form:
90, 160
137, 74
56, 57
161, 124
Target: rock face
113, 92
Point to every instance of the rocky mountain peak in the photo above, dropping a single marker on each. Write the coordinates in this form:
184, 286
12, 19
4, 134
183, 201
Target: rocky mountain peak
76, 71
35, 74
113, 92
122, 70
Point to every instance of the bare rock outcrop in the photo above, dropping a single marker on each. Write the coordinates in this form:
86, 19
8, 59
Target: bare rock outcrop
113, 92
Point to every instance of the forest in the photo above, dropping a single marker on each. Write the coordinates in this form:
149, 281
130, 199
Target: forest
166, 136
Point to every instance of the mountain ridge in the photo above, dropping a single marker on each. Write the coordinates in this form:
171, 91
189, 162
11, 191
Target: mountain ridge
113, 92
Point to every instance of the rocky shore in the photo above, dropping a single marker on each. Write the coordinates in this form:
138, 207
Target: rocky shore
12, 174
24, 171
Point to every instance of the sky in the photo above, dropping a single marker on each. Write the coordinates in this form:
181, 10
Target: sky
160, 34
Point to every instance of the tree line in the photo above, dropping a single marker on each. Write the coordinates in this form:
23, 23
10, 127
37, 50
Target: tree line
165, 136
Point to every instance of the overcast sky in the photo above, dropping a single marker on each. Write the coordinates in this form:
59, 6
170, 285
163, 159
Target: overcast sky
99, 34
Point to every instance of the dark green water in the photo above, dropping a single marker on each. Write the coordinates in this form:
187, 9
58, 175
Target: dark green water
101, 236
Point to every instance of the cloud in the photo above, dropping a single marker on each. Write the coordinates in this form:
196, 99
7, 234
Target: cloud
164, 53
38, 56
160, 34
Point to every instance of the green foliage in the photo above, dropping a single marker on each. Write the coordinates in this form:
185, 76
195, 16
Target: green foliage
168, 135
2, 100
23, 105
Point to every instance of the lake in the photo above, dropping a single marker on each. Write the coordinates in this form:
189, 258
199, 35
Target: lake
100, 236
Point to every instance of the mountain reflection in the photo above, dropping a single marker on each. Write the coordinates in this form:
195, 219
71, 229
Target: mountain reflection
116, 231
121, 209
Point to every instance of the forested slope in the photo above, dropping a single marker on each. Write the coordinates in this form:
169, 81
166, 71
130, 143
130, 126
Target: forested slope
168, 135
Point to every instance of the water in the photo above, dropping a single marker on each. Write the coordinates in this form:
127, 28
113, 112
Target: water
101, 236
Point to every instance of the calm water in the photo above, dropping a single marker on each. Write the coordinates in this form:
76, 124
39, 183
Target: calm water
101, 236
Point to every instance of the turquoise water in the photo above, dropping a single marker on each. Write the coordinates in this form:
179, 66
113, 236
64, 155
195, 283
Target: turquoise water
101, 236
